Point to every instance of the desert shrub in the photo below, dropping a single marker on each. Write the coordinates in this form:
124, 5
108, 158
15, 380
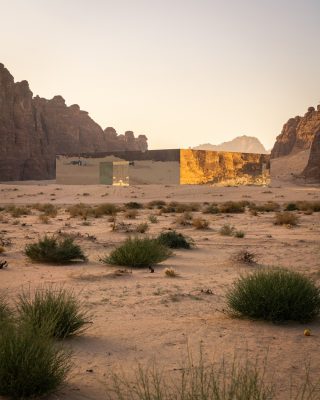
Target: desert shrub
275, 295
104, 209
44, 219
233, 207
80, 210
138, 252
142, 228
17, 212
196, 380
170, 272
31, 365
245, 257
2, 249
47, 209
291, 207
176, 207
270, 206
200, 223
226, 230
211, 209
239, 234
184, 219
286, 218
175, 240
156, 204
53, 310
153, 219
131, 214
133, 205
54, 250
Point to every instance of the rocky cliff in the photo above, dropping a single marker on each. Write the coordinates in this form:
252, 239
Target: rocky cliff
312, 170
33, 130
297, 134
242, 144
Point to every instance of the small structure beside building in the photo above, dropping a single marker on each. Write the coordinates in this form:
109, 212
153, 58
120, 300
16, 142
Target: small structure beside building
176, 166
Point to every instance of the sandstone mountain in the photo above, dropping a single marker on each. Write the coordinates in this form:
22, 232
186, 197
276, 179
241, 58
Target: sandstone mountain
33, 130
299, 144
297, 134
242, 144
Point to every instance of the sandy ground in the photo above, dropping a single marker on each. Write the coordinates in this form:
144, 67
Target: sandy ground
141, 315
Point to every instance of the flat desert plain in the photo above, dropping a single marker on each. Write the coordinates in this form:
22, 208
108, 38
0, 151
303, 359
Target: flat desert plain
140, 316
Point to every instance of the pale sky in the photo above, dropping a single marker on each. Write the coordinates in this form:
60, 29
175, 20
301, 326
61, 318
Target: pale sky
183, 72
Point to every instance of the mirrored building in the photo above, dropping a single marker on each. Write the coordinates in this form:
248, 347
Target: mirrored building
175, 166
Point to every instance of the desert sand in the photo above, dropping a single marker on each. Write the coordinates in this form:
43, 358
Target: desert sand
139, 316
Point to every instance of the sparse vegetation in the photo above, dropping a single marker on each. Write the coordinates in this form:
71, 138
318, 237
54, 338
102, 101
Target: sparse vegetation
156, 204
170, 272
5, 311
31, 365
85, 211
55, 250
138, 253
48, 209
233, 207
211, 209
133, 205
239, 234
227, 230
131, 214
200, 223
18, 212
275, 295
286, 218
245, 257
184, 219
142, 228
176, 207
270, 206
53, 310
195, 380
153, 219
175, 240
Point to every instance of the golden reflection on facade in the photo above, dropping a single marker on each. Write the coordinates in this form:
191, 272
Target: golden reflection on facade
223, 168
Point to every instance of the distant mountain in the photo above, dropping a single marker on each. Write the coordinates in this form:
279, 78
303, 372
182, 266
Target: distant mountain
242, 144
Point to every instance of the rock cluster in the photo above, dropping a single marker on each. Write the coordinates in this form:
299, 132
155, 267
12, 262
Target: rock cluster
33, 130
241, 144
312, 170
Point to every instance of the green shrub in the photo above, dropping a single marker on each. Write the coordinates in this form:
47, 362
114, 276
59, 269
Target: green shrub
226, 230
53, 310
175, 240
286, 218
31, 365
275, 295
137, 252
54, 250
291, 207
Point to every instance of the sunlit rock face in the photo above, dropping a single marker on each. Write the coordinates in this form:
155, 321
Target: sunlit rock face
297, 134
33, 130
312, 170
224, 168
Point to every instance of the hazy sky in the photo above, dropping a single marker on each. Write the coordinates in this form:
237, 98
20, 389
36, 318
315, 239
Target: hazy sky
183, 72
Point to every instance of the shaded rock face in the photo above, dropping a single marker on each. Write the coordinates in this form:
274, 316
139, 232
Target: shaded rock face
33, 130
297, 134
312, 170
242, 144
